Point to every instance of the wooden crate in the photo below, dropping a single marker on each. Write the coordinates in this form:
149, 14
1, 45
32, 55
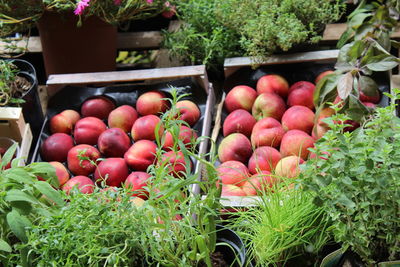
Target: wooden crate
12, 125
149, 76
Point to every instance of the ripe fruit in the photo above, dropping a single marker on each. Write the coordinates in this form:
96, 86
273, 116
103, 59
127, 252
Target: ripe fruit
296, 143
189, 111
322, 75
60, 124
232, 190
113, 142
123, 117
259, 183
113, 170
151, 103
301, 94
61, 172
240, 97
98, 107
88, 130
135, 184
239, 121
175, 163
141, 155
233, 172
298, 117
235, 146
288, 167
267, 132
268, 105
187, 135
264, 158
144, 128
273, 83
56, 147
84, 184
81, 159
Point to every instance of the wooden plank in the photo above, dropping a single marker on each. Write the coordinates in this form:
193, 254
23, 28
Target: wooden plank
126, 76
333, 32
25, 144
127, 41
12, 123
284, 59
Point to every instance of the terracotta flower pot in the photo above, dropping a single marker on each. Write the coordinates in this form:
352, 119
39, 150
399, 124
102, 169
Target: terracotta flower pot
68, 48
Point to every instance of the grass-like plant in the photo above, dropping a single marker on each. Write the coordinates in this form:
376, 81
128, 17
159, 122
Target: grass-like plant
12, 87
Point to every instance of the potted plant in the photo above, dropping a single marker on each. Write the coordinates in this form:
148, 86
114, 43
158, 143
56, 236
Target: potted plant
356, 180
76, 36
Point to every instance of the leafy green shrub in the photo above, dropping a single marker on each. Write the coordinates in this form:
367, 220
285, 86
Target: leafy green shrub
358, 183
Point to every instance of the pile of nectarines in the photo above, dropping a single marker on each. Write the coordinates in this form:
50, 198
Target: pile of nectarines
268, 132
84, 147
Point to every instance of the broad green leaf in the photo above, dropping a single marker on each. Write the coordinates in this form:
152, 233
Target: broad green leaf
395, 44
23, 207
325, 87
8, 156
385, 64
18, 195
18, 224
357, 20
345, 37
343, 53
345, 201
356, 50
49, 192
345, 85
368, 86
19, 175
4, 246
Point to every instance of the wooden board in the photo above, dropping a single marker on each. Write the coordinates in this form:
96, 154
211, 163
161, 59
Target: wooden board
12, 123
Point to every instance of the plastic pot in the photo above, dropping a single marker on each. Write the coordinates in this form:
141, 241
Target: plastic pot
231, 246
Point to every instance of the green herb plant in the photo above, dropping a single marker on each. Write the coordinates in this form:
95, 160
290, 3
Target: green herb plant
364, 49
356, 178
12, 87
283, 225
23, 199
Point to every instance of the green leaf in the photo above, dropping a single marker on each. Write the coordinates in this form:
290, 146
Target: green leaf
345, 201
22, 207
395, 44
357, 20
8, 156
385, 64
356, 50
345, 37
4, 246
49, 192
19, 175
18, 195
18, 224
345, 85
368, 86
325, 87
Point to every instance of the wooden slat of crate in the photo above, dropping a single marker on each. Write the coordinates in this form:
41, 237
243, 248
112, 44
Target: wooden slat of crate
25, 144
12, 123
333, 32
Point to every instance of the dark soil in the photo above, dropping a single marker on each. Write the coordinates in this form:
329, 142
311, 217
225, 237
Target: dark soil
217, 260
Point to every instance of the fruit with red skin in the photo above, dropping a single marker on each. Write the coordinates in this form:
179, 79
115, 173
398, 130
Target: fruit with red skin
175, 163
375, 98
239, 121
318, 131
84, 184
189, 111
99, 107
81, 159
273, 83
240, 97
258, 183
301, 94
288, 167
268, 105
232, 190
122, 117
136, 183
235, 146
298, 118
60, 124
296, 143
264, 158
61, 172
267, 132
111, 170
233, 172
88, 130
322, 75
141, 155
186, 135
72, 115
113, 142
145, 127
56, 147
325, 113
151, 103
369, 105
352, 125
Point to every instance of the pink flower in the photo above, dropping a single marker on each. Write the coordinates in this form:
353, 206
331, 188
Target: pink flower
117, 2
149, 1
169, 11
80, 7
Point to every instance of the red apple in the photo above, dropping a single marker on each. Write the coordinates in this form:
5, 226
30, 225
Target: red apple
98, 107
81, 159
113, 142
322, 75
301, 94
189, 112
298, 117
56, 147
88, 130
151, 103
288, 167
84, 184
240, 97
187, 135
239, 121
267, 132
296, 143
112, 170
122, 117
145, 127
175, 163
258, 183
233, 172
325, 113
268, 105
141, 155
264, 158
235, 146
135, 184
273, 83
232, 190
61, 172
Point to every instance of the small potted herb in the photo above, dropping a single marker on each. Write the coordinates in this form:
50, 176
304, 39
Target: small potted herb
356, 178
